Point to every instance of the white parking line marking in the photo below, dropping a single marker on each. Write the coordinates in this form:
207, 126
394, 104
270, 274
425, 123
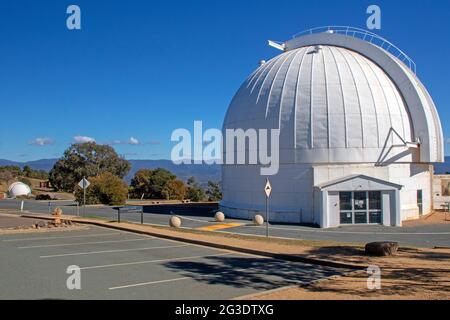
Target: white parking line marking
109, 251
153, 261
68, 237
149, 283
82, 243
169, 280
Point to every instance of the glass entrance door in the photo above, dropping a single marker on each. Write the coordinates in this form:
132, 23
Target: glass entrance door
360, 207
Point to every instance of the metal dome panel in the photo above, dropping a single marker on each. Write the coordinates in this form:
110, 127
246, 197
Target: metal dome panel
329, 102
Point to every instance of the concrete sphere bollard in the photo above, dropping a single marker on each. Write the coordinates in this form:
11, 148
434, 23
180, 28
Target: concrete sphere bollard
219, 216
258, 220
175, 222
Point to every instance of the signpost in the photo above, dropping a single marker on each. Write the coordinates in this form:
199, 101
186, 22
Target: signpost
267, 191
84, 184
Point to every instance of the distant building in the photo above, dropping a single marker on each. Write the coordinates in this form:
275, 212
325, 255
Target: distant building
358, 133
44, 185
441, 191
18, 189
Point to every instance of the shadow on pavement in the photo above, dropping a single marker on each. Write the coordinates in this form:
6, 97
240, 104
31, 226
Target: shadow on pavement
256, 273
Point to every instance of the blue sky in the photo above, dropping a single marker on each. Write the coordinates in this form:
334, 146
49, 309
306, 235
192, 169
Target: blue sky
137, 70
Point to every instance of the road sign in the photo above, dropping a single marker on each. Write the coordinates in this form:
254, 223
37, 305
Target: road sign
267, 191
267, 188
84, 183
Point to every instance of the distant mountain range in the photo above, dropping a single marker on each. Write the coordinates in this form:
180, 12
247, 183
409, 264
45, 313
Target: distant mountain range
203, 173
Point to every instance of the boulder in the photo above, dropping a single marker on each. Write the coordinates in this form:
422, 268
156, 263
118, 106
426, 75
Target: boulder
381, 248
219, 216
258, 220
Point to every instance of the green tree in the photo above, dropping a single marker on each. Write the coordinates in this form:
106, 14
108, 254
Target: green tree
194, 191
25, 180
35, 174
26, 171
14, 170
213, 191
89, 160
105, 188
151, 183
174, 190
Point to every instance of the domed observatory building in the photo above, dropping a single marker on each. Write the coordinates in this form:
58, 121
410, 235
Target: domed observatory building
358, 133
18, 189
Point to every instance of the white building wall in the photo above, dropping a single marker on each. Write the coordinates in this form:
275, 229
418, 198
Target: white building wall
293, 198
413, 177
439, 198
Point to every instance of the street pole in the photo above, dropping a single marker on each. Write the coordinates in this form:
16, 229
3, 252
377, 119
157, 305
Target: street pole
267, 191
267, 217
84, 197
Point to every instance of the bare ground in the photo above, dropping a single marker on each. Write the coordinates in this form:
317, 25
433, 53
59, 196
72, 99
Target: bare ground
435, 217
11, 224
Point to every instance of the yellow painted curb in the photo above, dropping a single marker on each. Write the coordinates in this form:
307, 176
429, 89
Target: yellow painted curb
220, 226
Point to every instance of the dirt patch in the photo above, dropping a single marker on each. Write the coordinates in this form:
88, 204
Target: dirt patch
436, 217
404, 284
15, 224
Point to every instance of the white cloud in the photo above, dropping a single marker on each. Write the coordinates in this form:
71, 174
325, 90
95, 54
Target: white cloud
133, 141
83, 139
41, 141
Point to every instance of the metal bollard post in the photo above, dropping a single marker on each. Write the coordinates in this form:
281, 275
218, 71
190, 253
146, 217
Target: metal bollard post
49, 207
142, 216
21, 206
118, 215
78, 208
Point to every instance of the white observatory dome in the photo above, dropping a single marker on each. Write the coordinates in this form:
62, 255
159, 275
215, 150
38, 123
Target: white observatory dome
352, 114
329, 103
18, 189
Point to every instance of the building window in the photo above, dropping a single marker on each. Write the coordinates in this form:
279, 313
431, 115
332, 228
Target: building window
360, 207
420, 201
345, 200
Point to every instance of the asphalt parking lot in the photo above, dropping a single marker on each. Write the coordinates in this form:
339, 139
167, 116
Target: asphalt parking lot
120, 265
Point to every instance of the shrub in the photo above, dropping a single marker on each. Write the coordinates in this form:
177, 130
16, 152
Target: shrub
151, 183
25, 180
174, 190
105, 189
43, 197
213, 192
194, 192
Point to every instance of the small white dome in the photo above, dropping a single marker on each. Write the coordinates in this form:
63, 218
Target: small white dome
18, 189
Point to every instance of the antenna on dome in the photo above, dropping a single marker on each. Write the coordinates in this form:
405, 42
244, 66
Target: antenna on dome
277, 45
